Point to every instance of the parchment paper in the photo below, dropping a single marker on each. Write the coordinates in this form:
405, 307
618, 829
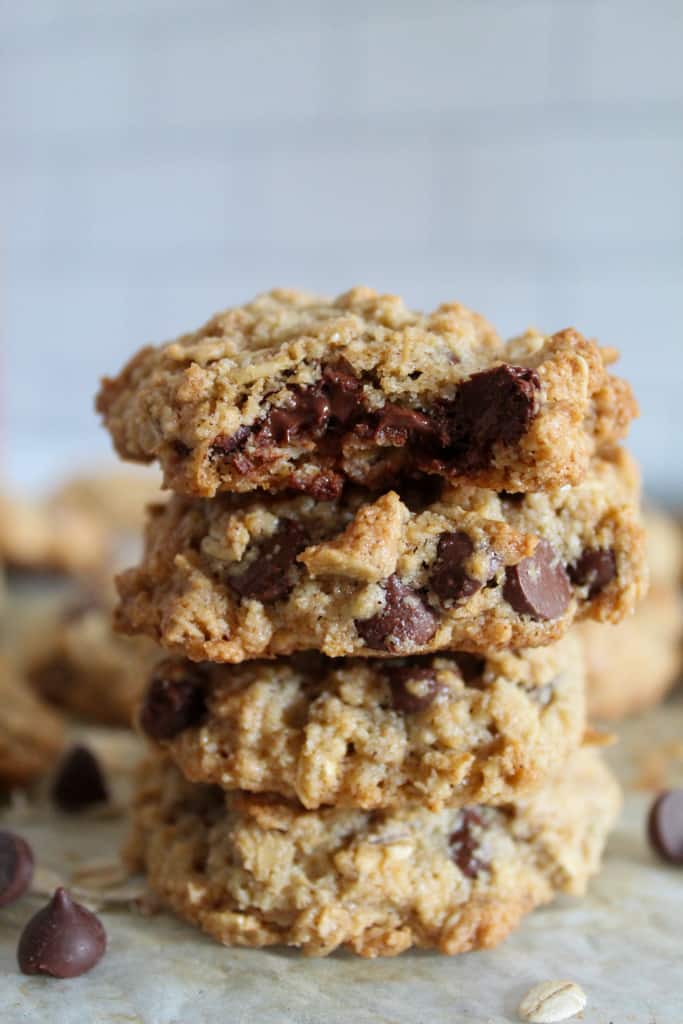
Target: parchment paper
622, 944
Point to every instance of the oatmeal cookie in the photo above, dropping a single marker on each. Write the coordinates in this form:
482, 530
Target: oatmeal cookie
80, 664
50, 537
31, 734
241, 577
633, 665
300, 393
440, 730
257, 871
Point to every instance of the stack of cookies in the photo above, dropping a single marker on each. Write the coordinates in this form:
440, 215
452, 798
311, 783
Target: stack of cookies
370, 729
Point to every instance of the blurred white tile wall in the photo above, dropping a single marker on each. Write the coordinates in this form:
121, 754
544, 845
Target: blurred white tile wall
160, 160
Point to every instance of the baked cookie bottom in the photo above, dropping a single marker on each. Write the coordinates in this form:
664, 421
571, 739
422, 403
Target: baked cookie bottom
631, 666
293, 392
468, 569
439, 730
31, 734
256, 871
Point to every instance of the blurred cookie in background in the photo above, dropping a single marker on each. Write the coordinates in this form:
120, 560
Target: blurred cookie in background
79, 664
87, 526
31, 733
633, 665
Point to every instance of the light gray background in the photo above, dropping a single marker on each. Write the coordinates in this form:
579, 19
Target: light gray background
160, 160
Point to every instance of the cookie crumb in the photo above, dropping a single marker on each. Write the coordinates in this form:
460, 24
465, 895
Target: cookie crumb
552, 1001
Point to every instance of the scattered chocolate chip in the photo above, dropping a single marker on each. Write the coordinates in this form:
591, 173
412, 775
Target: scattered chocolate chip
174, 700
538, 586
471, 666
594, 569
448, 578
16, 867
491, 407
268, 577
464, 845
226, 444
80, 782
309, 412
62, 940
404, 621
412, 689
665, 826
398, 426
344, 391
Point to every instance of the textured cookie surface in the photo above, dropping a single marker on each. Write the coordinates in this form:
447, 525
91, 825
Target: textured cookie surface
439, 730
83, 666
299, 393
255, 871
31, 734
241, 577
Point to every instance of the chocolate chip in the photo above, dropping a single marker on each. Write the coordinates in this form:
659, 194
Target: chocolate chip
405, 620
181, 449
397, 426
665, 826
594, 569
268, 577
464, 845
309, 412
471, 666
491, 407
448, 578
226, 444
63, 940
174, 700
421, 492
344, 391
412, 689
16, 867
80, 782
538, 586
512, 497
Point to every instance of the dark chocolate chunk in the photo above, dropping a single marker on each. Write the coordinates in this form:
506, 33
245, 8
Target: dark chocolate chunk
308, 413
343, 390
269, 576
16, 867
448, 578
399, 426
405, 621
594, 569
538, 586
80, 782
464, 845
418, 493
491, 407
181, 449
471, 666
226, 444
62, 940
412, 689
665, 826
174, 700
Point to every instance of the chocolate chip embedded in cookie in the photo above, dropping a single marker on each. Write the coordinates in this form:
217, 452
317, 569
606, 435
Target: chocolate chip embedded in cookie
440, 730
246, 576
257, 871
293, 392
